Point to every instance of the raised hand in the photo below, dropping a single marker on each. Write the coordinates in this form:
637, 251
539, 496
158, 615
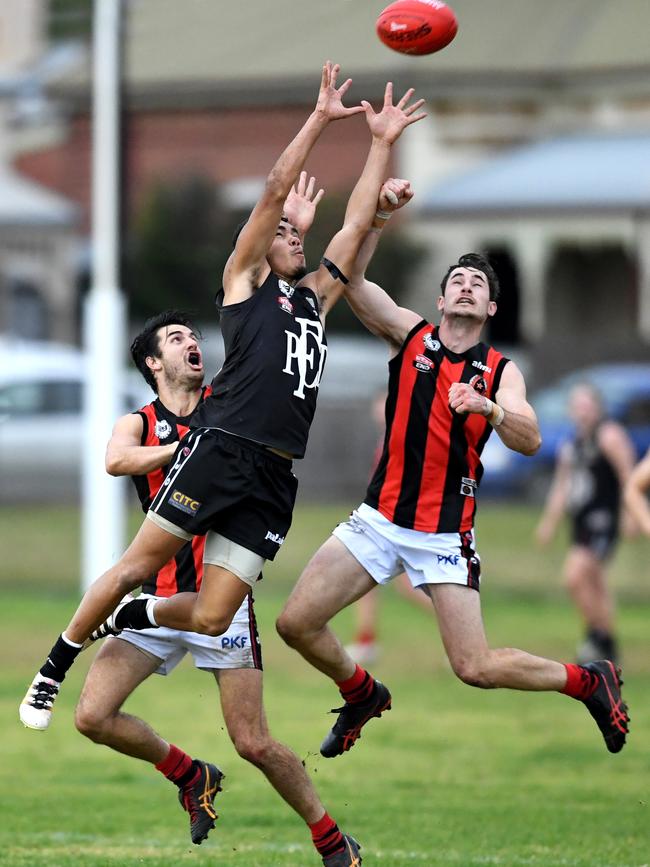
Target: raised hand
300, 205
394, 194
330, 98
389, 123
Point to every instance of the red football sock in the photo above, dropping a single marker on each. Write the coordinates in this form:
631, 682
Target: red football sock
326, 836
358, 687
580, 682
177, 766
366, 636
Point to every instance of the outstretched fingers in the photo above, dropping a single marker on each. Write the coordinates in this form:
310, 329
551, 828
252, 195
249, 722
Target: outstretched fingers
388, 93
404, 100
410, 109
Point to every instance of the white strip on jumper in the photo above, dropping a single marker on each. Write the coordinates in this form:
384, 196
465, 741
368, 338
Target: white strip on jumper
181, 460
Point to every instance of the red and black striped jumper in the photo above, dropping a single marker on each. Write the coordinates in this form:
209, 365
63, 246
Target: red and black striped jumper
184, 572
430, 467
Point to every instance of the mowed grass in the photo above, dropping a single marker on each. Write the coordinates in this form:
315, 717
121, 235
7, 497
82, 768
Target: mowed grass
451, 776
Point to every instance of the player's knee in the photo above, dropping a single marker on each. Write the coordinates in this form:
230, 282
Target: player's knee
289, 628
252, 749
572, 580
210, 623
91, 724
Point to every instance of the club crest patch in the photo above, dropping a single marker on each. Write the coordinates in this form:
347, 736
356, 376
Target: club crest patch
430, 342
162, 429
479, 384
286, 288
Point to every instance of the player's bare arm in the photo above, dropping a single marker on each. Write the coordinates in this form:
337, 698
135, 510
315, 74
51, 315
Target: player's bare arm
635, 494
371, 304
247, 266
125, 456
512, 416
557, 498
386, 127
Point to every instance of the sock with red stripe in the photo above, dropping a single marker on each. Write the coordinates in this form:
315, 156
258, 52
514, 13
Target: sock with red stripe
366, 636
178, 767
326, 836
357, 688
580, 682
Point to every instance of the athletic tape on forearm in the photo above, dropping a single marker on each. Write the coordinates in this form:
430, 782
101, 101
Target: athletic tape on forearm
495, 414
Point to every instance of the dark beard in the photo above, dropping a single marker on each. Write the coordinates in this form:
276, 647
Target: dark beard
299, 273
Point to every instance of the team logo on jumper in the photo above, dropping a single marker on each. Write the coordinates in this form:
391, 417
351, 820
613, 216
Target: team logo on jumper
306, 353
423, 364
162, 429
285, 304
430, 342
274, 537
479, 383
286, 288
468, 487
181, 501
482, 366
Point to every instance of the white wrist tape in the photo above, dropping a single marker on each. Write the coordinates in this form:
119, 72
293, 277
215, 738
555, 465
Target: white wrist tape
495, 413
383, 215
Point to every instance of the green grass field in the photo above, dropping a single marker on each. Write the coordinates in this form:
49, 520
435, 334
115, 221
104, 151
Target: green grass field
452, 776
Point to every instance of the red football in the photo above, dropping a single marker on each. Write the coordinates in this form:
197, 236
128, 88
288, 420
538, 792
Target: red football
417, 26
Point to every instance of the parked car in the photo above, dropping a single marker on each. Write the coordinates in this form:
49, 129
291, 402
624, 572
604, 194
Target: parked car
625, 390
41, 426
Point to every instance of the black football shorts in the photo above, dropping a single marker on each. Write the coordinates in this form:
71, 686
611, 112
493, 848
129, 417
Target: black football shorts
231, 485
597, 531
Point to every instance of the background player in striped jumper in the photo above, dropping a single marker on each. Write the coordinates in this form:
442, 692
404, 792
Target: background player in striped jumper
142, 445
590, 473
232, 477
446, 392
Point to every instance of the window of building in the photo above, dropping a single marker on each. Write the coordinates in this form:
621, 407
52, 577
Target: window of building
27, 310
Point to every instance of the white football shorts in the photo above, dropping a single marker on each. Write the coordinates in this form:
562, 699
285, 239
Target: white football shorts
385, 550
238, 647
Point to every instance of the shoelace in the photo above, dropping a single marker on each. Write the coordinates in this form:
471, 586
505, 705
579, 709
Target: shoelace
203, 804
617, 711
44, 696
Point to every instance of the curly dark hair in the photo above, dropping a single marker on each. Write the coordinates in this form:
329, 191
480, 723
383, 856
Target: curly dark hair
480, 263
147, 343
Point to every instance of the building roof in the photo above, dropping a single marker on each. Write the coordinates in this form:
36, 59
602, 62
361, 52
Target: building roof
577, 173
260, 48
23, 202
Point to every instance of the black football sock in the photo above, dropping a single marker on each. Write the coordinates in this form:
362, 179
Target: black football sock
60, 659
134, 616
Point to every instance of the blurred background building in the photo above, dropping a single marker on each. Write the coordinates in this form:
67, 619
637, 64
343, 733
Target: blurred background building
535, 150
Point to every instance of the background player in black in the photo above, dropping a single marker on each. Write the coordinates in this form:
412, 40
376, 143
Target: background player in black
591, 471
372, 547
169, 357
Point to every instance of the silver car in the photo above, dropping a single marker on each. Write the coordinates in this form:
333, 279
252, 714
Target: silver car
41, 426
